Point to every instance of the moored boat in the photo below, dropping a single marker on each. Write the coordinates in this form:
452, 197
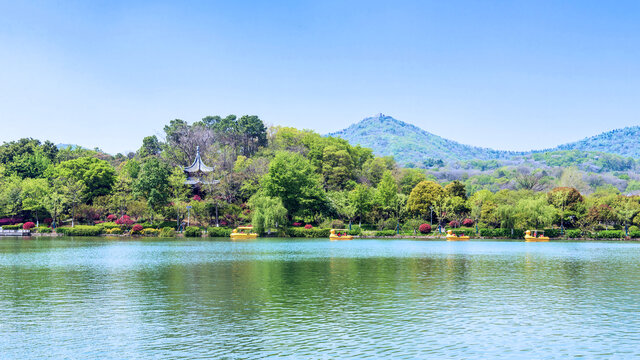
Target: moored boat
453, 237
538, 235
242, 233
339, 236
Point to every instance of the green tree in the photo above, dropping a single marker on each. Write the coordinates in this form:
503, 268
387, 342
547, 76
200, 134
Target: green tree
178, 193
150, 147
97, 176
153, 184
340, 204
409, 178
534, 213
74, 191
55, 202
566, 200
423, 197
33, 194
387, 193
268, 213
361, 199
456, 188
337, 169
292, 179
11, 195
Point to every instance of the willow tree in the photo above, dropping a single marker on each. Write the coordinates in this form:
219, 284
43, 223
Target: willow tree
267, 213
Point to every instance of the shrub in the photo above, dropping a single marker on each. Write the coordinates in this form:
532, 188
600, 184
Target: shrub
218, 232
110, 225
112, 217
150, 232
386, 233
610, 234
42, 230
308, 226
147, 225
454, 224
28, 225
136, 229
81, 230
192, 231
634, 234
633, 228
124, 220
197, 198
307, 233
12, 227
552, 233
424, 228
167, 231
297, 224
467, 222
114, 231
502, 233
574, 233
355, 230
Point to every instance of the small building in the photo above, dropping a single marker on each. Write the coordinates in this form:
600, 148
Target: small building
198, 172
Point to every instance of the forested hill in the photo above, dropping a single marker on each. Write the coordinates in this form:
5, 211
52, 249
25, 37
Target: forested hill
409, 144
624, 142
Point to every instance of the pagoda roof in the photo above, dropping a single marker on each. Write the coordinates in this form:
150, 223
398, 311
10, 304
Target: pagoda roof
198, 165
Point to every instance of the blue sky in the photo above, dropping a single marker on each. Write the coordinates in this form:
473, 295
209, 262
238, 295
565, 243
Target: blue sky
504, 74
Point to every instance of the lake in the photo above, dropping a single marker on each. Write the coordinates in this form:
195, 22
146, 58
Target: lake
294, 298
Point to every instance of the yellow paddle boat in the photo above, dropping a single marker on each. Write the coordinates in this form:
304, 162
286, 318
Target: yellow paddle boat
535, 237
243, 233
340, 236
453, 237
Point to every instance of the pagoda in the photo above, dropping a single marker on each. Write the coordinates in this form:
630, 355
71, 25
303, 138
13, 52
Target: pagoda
197, 172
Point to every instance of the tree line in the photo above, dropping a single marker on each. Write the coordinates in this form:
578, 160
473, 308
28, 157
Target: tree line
275, 177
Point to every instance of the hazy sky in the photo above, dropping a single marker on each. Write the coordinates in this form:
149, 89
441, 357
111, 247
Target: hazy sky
504, 74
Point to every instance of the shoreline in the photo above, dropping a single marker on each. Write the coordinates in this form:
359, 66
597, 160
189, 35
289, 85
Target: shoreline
395, 237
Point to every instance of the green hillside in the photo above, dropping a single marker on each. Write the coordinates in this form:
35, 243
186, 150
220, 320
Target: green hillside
409, 144
624, 142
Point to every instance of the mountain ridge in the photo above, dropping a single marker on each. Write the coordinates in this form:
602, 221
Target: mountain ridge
408, 143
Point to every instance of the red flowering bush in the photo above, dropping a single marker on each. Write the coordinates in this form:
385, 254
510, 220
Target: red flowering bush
28, 225
124, 220
424, 228
111, 217
454, 224
308, 226
197, 198
98, 222
467, 222
297, 224
136, 229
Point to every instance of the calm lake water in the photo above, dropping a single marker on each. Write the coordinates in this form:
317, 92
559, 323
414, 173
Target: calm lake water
99, 298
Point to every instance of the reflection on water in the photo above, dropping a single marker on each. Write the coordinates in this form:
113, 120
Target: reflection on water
95, 298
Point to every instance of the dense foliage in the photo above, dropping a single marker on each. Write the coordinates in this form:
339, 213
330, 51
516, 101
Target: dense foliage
299, 183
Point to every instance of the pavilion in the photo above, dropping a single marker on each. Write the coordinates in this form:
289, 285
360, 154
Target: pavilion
197, 172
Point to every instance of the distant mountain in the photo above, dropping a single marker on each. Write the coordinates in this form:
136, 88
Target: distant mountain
409, 144
624, 142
